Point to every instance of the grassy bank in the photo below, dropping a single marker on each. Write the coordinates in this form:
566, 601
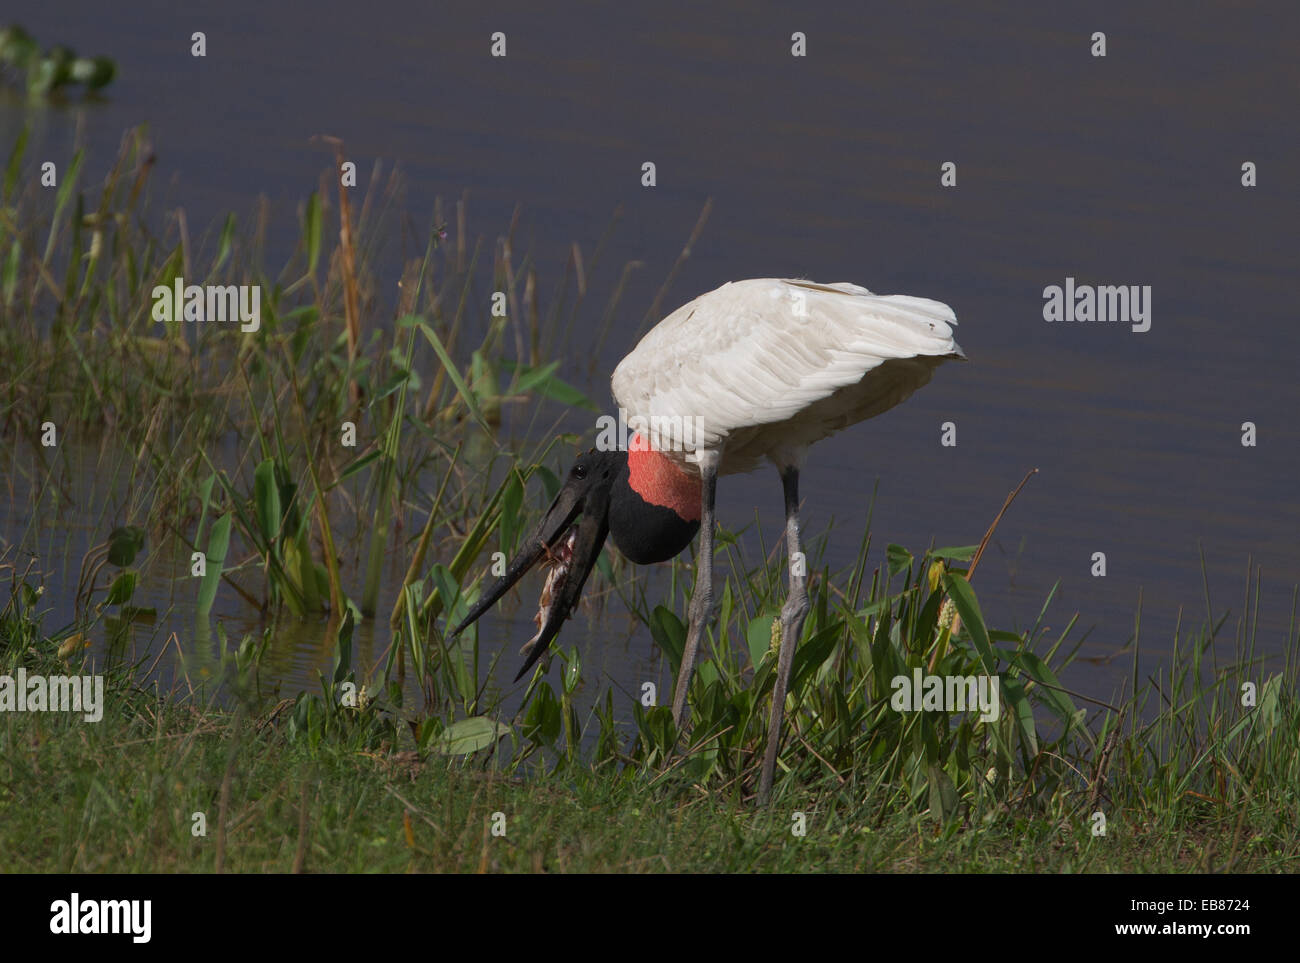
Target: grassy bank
319, 784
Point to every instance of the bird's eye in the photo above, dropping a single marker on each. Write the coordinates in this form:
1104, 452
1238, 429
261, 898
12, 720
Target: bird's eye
579, 471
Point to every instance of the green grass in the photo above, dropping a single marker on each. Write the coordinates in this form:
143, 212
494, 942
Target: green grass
326, 783
274, 807
271, 805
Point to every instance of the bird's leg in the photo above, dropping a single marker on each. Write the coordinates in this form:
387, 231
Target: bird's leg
793, 614
702, 597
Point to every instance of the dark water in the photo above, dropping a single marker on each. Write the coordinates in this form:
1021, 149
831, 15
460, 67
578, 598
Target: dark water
1117, 170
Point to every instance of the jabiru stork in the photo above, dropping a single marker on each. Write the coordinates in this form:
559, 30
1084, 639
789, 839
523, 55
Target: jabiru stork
757, 369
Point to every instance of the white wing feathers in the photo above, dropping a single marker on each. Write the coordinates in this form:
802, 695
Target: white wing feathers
761, 351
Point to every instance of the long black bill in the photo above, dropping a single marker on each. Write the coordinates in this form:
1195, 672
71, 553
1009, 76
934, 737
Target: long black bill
587, 493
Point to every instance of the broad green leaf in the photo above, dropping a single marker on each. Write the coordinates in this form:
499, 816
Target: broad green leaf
656, 727
446, 584
343, 647
266, 500
1014, 693
542, 721
809, 656
572, 670
469, 735
963, 596
122, 589
759, 638
512, 502
205, 500
218, 543
898, 557
296, 566
1035, 668
124, 544
669, 634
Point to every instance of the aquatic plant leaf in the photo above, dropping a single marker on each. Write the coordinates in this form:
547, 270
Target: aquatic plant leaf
943, 794
1014, 693
218, 543
899, 558
469, 735
124, 544
963, 596
810, 655
94, 72
266, 499
311, 229
542, 721
122, 589
758, 636
572, 670
669, 634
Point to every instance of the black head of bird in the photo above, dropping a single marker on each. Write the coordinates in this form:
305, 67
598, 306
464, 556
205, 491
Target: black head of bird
648, 503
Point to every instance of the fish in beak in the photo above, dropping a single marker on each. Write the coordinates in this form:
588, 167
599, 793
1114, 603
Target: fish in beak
572, 551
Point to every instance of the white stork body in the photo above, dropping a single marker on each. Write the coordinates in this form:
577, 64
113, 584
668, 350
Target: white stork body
766, 367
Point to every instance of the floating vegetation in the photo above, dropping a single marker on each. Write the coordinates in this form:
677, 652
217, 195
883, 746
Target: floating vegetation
44, 72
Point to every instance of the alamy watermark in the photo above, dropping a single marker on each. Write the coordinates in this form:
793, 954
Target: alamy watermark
649, 432
21, 692
225, 304
946, 693
74, 916
1127, 304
